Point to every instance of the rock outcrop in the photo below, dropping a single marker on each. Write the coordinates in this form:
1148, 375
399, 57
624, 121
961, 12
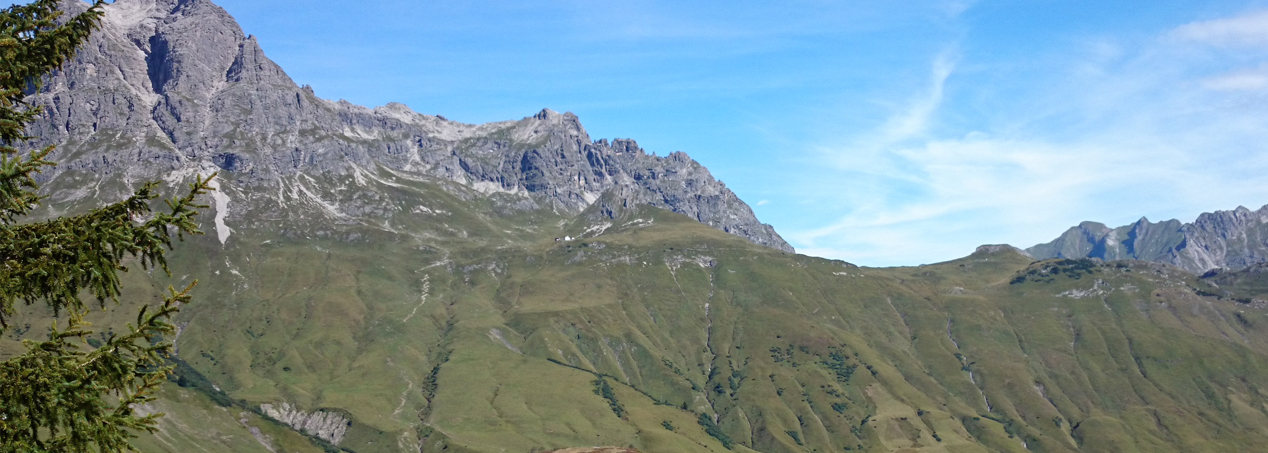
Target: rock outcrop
324, 425
171, 85
998, 248
1223, 239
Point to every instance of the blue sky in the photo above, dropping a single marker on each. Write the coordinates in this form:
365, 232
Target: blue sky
871, 131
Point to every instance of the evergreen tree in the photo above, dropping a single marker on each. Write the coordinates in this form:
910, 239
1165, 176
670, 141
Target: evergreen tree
62, 395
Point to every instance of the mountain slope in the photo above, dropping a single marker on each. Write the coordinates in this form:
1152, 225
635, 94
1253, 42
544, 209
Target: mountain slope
497, 348
1222, 239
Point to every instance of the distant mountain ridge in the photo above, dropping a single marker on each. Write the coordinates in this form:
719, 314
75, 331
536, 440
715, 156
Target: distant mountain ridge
1217, 240
172, 86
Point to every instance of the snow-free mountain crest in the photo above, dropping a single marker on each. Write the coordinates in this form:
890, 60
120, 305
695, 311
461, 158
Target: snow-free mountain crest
1222, 239
175, 87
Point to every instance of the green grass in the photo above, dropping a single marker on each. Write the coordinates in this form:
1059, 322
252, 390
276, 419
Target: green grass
503, 351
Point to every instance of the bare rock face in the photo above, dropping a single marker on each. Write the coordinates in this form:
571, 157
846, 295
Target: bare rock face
1227, 239
1222, 239
167, 86
327, 426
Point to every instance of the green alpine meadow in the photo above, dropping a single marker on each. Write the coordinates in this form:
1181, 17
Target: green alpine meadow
700, 341
383, 281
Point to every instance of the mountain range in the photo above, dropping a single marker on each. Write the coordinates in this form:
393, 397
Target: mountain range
175, 86
1229, 240
378, 280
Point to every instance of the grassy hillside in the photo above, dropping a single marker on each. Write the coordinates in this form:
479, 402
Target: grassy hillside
475, 331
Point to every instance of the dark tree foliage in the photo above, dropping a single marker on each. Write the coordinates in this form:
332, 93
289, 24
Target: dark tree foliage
714, 430
63, 395
602, 388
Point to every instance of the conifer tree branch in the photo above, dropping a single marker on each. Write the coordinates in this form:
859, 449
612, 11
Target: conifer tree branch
56, 397
52, 260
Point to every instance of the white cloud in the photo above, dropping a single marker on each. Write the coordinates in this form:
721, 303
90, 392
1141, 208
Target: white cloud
954, 8
1249, 29
970, 191
914, 121
1124, 131
1244, 80
763, 202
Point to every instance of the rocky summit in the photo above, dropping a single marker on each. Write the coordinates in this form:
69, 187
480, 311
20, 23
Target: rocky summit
1216, 240
170, 87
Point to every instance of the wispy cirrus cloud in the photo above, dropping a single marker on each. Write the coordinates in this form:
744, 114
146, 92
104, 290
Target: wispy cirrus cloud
913, 121
1119, 130
1249, 29
1246, 35
1255, 79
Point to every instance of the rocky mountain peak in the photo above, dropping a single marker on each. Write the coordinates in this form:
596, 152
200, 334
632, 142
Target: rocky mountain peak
175, 86
548, 115
1222, 239
251, 66
1088, 224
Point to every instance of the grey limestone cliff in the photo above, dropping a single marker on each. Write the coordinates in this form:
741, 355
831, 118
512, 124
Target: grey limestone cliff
175, 87
325, 425
1223, 239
